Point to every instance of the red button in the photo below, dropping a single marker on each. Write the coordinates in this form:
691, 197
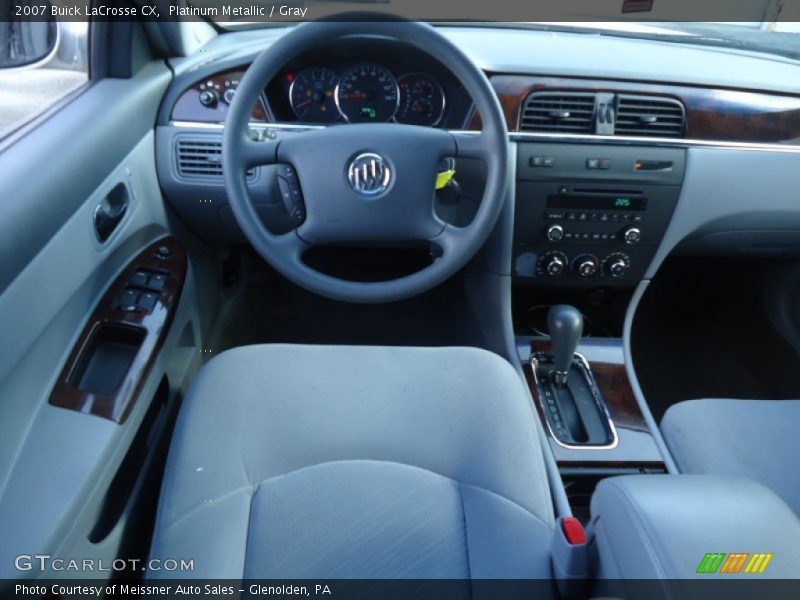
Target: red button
573, 531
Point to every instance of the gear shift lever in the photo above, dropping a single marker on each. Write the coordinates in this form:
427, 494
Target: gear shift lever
574, 410
566, 327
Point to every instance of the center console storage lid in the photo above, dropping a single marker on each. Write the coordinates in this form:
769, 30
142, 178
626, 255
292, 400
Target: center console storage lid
676, 526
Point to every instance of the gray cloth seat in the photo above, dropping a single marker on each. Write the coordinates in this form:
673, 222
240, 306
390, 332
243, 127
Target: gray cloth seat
356, 462
756, 439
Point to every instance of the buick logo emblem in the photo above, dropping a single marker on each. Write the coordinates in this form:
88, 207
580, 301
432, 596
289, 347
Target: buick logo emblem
369, 174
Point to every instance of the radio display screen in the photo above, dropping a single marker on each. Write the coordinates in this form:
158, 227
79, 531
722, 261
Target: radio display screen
621, 203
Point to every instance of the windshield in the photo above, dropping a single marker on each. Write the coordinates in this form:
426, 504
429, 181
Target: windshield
779, 38
673, 22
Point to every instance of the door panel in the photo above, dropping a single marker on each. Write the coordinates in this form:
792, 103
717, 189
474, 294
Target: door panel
51, 171
56, 465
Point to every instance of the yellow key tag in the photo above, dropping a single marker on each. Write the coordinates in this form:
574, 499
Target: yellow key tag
443, 178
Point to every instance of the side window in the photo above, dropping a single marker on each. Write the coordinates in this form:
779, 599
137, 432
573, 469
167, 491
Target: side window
41, 61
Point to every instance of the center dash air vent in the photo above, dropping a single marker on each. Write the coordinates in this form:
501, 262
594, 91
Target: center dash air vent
564, 112
651, 116
201, 158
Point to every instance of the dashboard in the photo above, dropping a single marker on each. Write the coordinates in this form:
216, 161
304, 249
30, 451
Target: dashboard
356, 81
700, 149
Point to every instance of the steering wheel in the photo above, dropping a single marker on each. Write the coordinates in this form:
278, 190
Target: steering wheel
366, 182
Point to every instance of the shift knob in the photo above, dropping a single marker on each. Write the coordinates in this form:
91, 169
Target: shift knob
566, 327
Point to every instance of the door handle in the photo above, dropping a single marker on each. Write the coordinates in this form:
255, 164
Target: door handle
110, 211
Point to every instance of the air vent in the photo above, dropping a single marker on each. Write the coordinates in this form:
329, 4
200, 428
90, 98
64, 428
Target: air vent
563, 112
201, 158
650, 116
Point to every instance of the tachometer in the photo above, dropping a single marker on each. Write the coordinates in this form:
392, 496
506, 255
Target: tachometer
312, 95
421, 100
367, 93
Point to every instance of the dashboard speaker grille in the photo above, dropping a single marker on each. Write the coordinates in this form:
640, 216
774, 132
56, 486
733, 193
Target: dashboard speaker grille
564, 112
650, 116
201, 158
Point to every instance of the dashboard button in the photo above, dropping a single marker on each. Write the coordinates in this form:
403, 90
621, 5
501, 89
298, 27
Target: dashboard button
632, 235
209, 98
291, 193
553, 263
586, 265
139, 279
555, 233
157, 281
147, 302
616, 264
127, 301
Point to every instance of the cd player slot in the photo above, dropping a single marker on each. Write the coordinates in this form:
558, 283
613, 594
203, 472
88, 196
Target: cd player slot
606, 192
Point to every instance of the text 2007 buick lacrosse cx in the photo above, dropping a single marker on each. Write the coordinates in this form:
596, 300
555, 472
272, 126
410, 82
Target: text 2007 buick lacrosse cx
373, 307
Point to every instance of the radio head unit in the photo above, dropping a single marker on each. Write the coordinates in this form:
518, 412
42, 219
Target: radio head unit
577, 225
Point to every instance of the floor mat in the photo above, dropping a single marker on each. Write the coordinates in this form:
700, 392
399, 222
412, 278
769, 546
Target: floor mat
701, 331
277, 311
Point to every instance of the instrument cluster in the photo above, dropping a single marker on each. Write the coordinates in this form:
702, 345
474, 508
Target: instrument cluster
365, 92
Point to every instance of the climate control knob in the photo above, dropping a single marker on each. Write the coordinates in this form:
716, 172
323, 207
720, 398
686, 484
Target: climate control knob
555, 233
554, 263
617, 264
632, 235
586, 265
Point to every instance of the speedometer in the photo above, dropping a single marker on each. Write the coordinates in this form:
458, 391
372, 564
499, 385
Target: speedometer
312, 95
367, 93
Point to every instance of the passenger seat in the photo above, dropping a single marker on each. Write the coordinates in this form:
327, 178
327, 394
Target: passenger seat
757, 439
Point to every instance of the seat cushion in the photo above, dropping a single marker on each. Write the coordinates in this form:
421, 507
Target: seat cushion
757, 439
337, 462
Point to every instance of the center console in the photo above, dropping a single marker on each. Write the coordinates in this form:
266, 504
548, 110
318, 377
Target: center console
590, 215
685, 528
588, 221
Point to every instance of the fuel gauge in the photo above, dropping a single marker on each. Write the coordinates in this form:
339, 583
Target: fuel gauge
421, 100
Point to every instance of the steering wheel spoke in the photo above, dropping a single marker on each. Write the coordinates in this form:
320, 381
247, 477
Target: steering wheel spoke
471, 145
257, 153
449, 239
291, 245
